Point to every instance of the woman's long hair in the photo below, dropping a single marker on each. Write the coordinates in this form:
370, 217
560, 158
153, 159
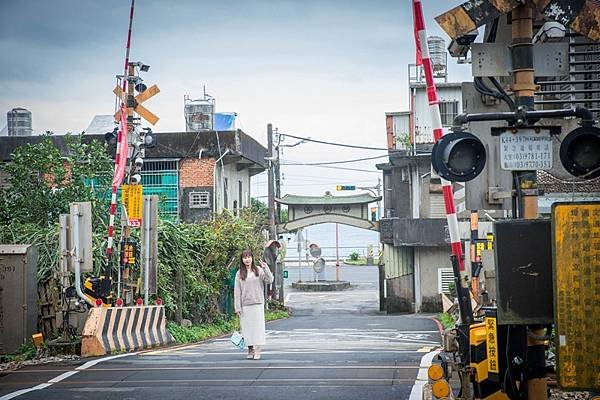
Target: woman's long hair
242, 270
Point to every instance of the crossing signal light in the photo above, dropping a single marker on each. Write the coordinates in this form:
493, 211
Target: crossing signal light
345, 187
580, 152
373, 214
458, 157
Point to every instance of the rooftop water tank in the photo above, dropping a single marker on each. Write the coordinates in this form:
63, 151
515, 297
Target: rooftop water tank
19, 122
437, 52
199, 114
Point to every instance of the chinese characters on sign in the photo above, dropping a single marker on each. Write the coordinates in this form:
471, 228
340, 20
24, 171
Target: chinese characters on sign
492, 345
576, 232
522, 152
131, 196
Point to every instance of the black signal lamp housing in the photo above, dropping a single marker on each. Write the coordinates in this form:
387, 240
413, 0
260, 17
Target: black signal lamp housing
111, 137
458, 157
580, 152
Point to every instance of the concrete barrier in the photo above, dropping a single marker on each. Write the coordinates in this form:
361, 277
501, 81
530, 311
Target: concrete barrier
120, 329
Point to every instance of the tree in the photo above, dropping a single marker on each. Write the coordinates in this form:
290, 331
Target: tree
42, 181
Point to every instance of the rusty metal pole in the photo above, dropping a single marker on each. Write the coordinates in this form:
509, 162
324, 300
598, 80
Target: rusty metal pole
473, 254
524, 88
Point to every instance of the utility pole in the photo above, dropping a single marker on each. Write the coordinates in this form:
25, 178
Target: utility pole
525, 182
270, 185
276, 285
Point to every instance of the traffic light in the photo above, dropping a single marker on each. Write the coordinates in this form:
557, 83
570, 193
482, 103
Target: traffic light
580, 152
373, 214
345, 187
458, 157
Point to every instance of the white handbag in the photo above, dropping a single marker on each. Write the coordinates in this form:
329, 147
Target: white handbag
238, 340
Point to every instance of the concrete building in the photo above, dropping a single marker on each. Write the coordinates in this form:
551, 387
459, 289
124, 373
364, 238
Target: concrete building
183, 170
416, 245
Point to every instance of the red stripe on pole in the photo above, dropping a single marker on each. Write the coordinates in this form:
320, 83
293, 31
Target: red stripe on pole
419, 27
448, 199
457, 249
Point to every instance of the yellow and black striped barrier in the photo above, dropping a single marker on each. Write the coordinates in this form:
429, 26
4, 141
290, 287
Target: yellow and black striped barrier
119, 329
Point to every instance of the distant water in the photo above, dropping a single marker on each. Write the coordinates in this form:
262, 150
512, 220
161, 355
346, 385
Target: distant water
351, 240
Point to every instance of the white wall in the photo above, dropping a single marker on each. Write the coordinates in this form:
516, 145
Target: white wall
233, 176
423, 128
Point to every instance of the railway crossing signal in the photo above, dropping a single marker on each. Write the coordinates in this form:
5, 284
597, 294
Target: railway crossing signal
135, 103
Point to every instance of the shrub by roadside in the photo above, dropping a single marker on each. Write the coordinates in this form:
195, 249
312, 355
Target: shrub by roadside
198, 333
447, 320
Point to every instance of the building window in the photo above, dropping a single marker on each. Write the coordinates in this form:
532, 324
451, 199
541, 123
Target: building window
199, 199
445, 280
448, 111
240, 188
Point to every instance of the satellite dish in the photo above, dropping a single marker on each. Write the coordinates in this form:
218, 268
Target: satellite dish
319, 265
315, 250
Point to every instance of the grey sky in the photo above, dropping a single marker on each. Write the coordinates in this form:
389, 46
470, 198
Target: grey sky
329, 69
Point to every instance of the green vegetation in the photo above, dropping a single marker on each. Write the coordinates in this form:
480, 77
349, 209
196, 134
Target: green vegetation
42, 183
193, 260
202, 332
25, 352
357, 259
447, 320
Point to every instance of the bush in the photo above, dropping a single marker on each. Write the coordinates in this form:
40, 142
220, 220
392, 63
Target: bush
354, 256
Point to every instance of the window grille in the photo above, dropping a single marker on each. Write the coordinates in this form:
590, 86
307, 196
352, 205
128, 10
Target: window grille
445, 280
161, 177
448, 111
199, 199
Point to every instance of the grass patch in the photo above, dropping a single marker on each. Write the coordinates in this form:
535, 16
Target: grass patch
447, 320
199, 333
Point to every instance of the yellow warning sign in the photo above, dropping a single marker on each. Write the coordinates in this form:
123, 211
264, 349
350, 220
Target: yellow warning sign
576, 248
492, 345
131, 197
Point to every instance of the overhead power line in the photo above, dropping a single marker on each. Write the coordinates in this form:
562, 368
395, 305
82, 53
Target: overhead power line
333, 162
332, 167
334, 144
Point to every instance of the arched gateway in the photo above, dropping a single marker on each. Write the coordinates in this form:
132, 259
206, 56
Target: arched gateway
305, 211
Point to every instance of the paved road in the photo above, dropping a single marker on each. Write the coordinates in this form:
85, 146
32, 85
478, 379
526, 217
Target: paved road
336, 346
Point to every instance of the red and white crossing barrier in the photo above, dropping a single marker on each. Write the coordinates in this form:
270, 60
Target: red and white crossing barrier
436, 122
122, 148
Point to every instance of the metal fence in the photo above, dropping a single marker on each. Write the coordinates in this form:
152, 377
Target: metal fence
161, 177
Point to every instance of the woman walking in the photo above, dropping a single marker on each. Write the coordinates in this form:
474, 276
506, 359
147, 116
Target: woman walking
249, 300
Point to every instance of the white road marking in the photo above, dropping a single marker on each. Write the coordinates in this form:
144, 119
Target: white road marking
62, 376
416, 392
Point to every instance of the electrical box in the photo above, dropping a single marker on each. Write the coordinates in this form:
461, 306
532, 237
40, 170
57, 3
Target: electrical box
18, 295
576, 261
82, 211
523, 255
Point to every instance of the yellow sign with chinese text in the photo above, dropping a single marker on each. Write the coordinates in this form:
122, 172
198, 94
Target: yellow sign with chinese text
576, 253
131, 197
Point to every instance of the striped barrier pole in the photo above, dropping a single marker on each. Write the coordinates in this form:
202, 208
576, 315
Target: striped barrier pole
424, 60
122, 147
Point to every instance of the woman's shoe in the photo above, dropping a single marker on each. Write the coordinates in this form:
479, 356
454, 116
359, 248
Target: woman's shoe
250, 355
257, 356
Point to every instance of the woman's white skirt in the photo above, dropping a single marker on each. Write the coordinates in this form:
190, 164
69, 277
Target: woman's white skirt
252, 322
